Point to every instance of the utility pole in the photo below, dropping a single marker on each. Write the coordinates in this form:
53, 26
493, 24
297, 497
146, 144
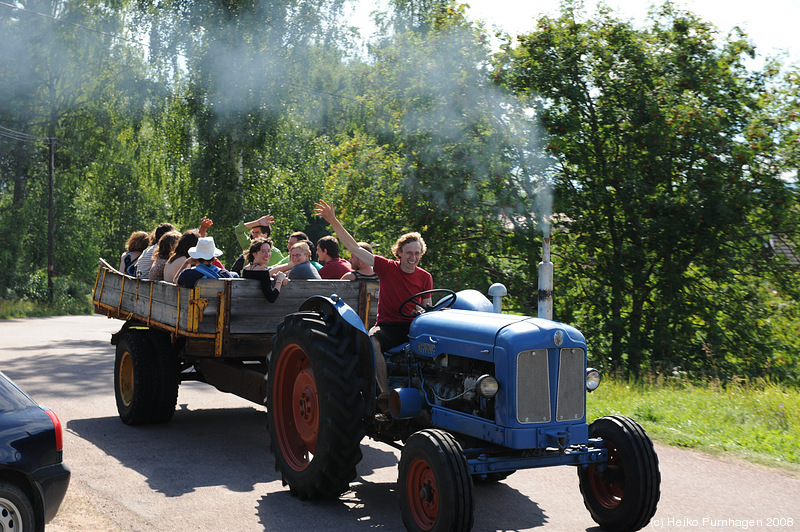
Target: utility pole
51, 217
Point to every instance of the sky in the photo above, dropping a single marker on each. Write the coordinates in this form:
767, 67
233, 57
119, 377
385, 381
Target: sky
770, 24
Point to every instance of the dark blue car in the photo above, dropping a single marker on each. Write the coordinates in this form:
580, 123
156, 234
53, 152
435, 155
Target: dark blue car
33, 476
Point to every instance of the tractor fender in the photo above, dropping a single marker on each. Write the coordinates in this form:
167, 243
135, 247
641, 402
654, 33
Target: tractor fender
333, 306
336, 304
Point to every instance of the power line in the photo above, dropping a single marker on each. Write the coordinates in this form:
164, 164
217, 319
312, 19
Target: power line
20, 136
61, 21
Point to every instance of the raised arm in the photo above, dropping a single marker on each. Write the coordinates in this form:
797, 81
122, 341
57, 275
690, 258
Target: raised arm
205, 223
267, 219
242, 231
327, 211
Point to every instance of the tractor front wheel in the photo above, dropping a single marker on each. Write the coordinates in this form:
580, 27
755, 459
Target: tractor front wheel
435, 486
622, 494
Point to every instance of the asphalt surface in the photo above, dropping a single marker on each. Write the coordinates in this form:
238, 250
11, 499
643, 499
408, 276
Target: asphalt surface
210, 467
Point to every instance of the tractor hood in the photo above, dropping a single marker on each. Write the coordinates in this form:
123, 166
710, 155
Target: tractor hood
475, 334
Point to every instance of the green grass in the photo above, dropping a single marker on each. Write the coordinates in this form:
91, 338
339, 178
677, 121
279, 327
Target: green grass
23, 308
756, 422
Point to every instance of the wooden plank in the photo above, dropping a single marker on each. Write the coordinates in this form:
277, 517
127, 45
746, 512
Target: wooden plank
251, 313
195, 312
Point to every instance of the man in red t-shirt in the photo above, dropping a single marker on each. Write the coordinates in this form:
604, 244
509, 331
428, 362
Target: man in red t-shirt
328, 254
399, 280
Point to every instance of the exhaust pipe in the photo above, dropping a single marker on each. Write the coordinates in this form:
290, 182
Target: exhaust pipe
546, 278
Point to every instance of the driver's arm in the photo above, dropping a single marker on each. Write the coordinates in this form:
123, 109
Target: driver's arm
424, 306
326, 211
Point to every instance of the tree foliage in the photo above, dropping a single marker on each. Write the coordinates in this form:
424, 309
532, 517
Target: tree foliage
667, 193
445, 151
671, 162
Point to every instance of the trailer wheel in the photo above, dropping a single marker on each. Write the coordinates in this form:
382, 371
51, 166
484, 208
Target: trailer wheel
624, 495
135, 377
434, 483
315, 406
167, 379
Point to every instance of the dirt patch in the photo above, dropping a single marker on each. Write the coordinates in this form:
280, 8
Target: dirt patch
78, 512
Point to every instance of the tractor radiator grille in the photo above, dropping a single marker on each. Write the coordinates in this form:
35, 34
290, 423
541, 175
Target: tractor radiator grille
533, 387
571, 385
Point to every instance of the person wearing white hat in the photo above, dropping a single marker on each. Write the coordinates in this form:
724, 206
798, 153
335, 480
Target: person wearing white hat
201, 256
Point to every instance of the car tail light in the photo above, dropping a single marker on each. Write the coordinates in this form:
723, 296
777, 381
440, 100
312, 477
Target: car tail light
57, 426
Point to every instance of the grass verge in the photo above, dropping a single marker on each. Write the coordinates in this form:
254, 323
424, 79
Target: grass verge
757, 422
23, 308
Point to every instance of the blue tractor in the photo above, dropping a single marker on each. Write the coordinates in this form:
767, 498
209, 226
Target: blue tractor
476, 395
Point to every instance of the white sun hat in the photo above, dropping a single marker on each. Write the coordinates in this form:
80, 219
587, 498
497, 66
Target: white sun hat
205, 249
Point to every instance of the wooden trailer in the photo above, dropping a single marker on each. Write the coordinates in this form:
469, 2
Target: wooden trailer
218, 332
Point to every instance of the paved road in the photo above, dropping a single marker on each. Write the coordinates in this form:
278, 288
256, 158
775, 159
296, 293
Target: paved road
210, 468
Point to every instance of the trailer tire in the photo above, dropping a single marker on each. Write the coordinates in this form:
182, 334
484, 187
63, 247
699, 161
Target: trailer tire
315, 405
624, 495
167, 378
135, 381
434, 483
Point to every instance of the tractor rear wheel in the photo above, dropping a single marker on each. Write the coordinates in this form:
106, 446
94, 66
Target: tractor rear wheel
315, 405
435, 486
622, 495
135, 380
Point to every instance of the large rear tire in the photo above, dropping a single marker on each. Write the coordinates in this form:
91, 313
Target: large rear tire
315, 406
135, 380
434, 483
624, 495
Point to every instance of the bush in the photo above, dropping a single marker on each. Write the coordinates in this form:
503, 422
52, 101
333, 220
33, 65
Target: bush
29, 296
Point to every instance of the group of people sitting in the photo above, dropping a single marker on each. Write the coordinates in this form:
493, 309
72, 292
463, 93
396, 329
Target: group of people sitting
165, 254
186, 258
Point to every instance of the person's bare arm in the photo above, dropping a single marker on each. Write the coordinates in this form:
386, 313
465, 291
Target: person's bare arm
205, 223
267, 219
327, 211
283, 267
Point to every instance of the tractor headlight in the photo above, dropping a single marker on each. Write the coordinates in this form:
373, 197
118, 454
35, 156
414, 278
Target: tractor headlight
592, 379
487, 386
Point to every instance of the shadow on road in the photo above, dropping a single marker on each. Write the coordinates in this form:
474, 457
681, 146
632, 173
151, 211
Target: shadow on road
198, 448
369, 506
230, 447
89, 362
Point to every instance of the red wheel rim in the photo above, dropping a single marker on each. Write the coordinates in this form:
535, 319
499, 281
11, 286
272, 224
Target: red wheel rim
609, 493
422, 494
126, 379
295, 407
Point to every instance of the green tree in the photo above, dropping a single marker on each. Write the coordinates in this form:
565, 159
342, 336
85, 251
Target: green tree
666, 203
260, 82
66, 75
442, 152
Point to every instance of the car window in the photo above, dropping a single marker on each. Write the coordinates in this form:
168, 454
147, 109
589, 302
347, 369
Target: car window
11, 397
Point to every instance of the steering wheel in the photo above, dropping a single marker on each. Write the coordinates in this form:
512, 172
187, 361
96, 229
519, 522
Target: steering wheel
447, 300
